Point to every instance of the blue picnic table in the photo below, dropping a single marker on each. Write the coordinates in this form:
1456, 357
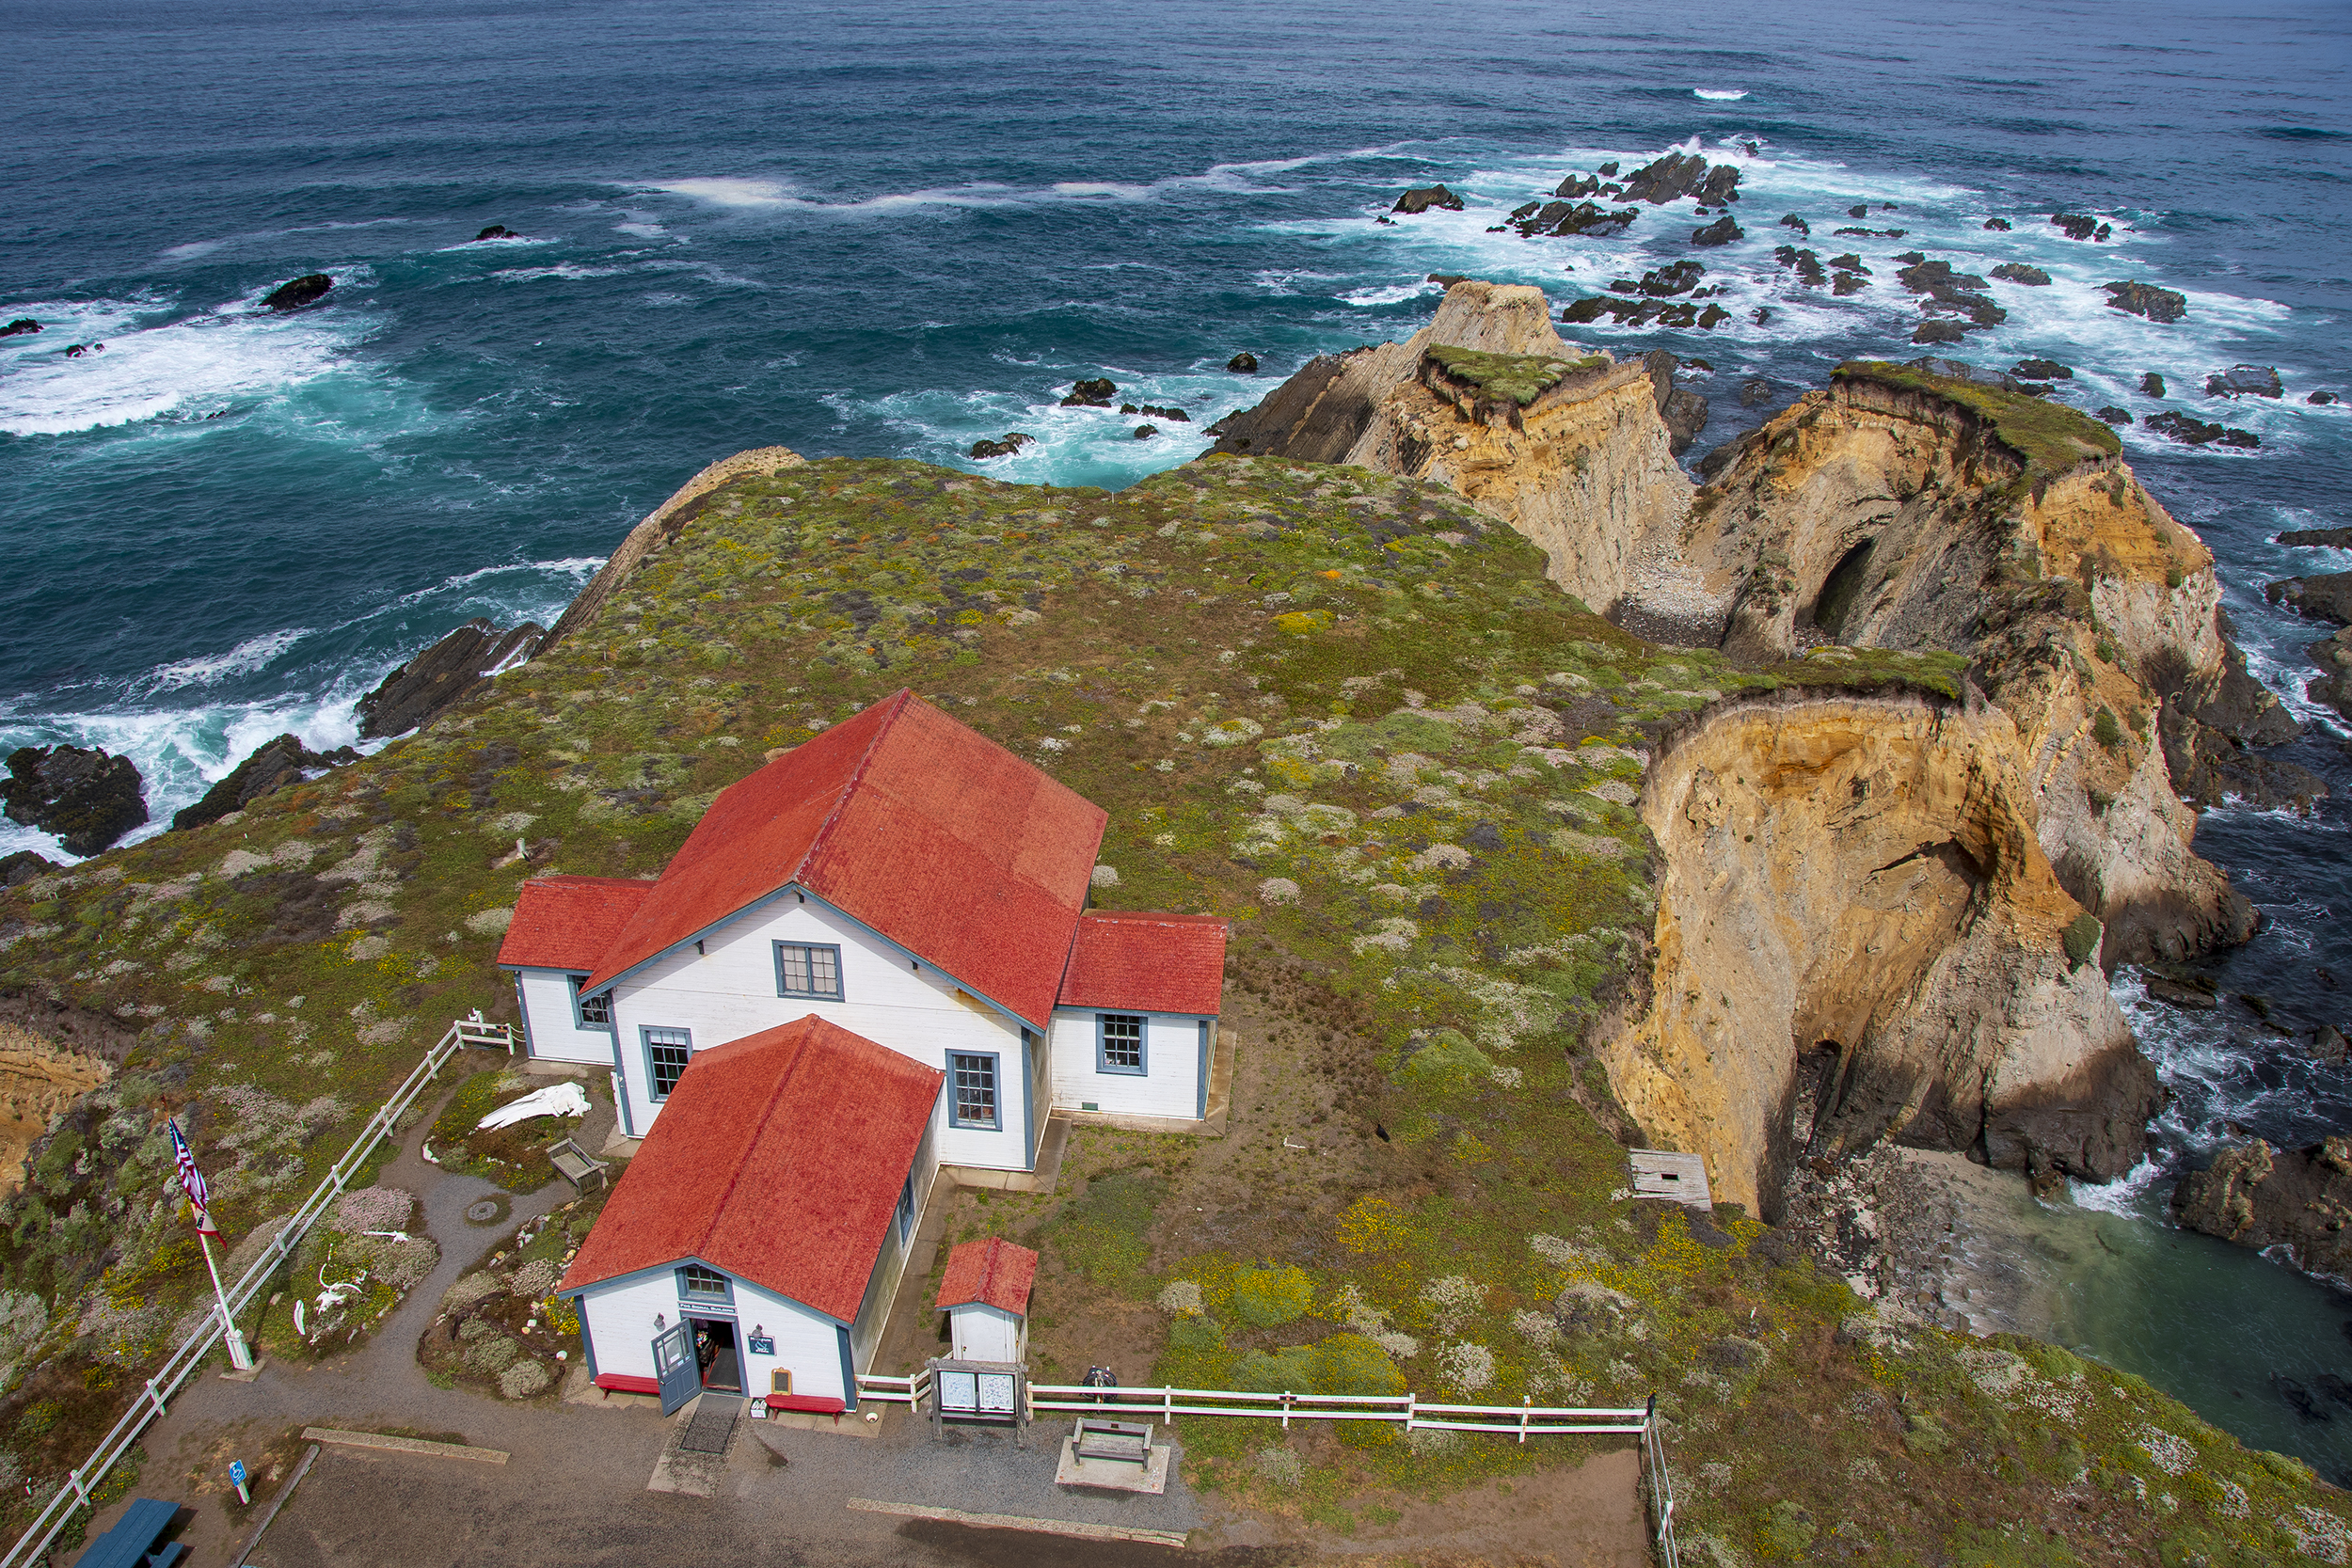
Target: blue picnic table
137, 1538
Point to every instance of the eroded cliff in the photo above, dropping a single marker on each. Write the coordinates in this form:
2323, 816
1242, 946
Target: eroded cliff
1901, 509
1567, 447
1859, 937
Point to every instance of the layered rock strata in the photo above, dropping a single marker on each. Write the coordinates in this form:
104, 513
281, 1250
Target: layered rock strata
1901, 509
1583, 466
444, 675
87, 797
1859, 881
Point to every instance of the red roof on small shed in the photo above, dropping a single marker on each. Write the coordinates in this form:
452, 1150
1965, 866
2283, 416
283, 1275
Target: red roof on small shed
569, 922
1147, 964
992, 1271
778, 1158
934, 835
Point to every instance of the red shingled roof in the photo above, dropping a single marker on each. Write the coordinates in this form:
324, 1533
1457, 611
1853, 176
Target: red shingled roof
569, 922
1147, 964
945, 843
778, 1158
994, 1272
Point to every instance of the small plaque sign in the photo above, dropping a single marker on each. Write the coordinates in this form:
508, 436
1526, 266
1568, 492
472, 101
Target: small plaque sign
763, 1344
957, 1392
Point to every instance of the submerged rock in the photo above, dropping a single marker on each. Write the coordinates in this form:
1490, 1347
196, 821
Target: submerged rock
1721, 232
1667, 178
87, 797
2001, 226
1577, 185
1096, 393
2333, 684
2326, 596
306, 289
274, 765
496, 231
2151, 385
1145, 432
428, 684
2239, 380
2042, 370
2113, 415
1938, 332
1791, 220
2018, 272
1014, 440
1754, 392
2333, 538
1244, 363
1421, 198
2261, 1196
2320, 400
2175, 993
17, 327
2077, 227
2197, 433
2146, 299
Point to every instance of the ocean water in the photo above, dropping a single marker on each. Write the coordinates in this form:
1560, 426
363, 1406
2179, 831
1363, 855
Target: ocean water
896, 229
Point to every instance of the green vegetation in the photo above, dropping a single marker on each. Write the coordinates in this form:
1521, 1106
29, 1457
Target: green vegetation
2082, 938
1347, 712
2049, 437
1519, 378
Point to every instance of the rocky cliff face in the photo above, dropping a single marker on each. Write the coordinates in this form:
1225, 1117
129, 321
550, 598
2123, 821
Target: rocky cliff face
1859, 936
1903, 510
1565, 446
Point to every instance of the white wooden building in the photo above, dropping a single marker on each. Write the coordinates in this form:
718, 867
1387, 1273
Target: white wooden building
985, 1293
756, 1242
910, 880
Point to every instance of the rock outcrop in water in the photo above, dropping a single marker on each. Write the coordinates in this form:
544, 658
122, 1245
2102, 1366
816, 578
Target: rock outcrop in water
273, 766
443, 675
309, 289
87, 797
2261, 1196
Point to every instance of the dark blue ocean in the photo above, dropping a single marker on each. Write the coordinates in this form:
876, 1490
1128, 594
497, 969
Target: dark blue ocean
895, 230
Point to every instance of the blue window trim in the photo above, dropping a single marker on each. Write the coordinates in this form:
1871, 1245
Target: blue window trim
906, 1208
1102, 1062
580, 1018
689, 1302
645, 1048
834, 995
997, 1081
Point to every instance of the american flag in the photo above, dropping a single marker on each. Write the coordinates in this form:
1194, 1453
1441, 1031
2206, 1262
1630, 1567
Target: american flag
192, 1181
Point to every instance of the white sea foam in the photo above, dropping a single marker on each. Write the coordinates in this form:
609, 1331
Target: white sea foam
154, 365
1390, 294
1720, 95
196, 248
729, 193
253, 653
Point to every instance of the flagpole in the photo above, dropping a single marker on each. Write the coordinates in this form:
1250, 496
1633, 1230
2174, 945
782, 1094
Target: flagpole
239, 1357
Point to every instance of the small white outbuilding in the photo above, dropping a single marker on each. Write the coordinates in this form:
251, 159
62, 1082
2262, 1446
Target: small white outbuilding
986, 1297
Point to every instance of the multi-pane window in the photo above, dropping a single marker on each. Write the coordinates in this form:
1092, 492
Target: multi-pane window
975, 1088
906, 1207
666, 1051
701, 1284
806, 970
1122, 1041
596, 1012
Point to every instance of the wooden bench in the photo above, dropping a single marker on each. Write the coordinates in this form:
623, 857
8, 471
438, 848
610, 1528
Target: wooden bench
577, 1165
621, 1383
806, 1404
136, 1539
1128, 1442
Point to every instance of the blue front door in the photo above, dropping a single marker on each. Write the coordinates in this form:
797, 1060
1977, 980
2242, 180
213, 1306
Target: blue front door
674, 1366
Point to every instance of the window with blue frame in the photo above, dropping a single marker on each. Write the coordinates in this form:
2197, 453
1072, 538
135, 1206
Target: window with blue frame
906, 1207
591, 1012
1119, 1043
974, 1083
707, 1287
802, 970
667, 1051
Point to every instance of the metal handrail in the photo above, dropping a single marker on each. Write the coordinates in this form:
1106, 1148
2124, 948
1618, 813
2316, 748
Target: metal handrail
1662, 1486
182, 1363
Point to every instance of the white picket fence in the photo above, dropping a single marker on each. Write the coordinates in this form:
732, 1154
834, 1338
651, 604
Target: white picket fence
184, 1362
1523, 1420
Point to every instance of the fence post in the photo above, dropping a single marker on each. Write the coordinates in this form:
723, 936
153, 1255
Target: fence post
1526, 1403
1286, 1410
1411, 1400
156, 1395
1168, 1399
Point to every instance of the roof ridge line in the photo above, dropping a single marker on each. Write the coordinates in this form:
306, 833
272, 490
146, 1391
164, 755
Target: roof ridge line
817, 840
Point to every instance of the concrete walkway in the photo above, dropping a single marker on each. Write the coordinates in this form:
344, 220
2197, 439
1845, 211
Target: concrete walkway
578, 1471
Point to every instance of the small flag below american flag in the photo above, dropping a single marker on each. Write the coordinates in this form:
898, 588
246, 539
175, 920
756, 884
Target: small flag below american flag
192, 1182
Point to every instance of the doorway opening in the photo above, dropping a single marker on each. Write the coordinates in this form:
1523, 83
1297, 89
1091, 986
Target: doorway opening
718, 1355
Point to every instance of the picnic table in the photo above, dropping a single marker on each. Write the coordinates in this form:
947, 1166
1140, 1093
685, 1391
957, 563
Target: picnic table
137, 1538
